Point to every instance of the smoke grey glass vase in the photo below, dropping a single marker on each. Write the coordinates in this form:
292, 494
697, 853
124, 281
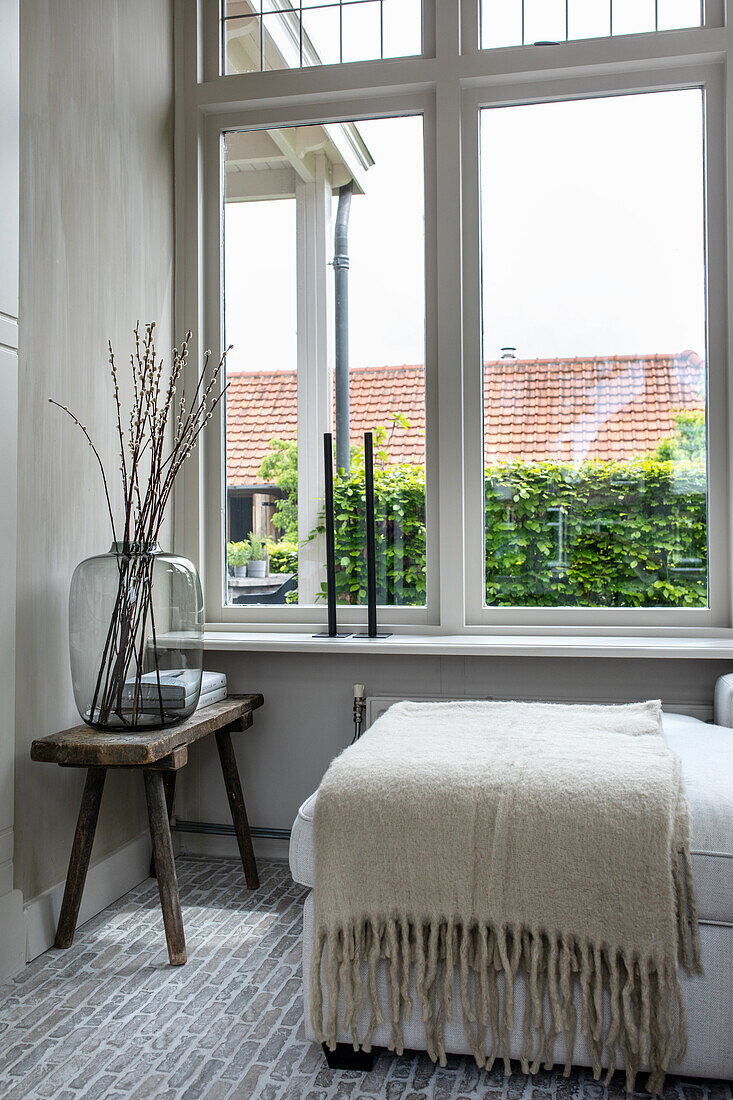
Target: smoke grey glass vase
136, 619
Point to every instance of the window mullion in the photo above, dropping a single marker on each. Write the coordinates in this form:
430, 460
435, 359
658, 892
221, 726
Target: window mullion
448, 174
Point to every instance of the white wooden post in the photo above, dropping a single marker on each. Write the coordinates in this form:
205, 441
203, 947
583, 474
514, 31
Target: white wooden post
315, 366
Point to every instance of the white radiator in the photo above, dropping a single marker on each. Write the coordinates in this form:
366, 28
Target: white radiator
376, 705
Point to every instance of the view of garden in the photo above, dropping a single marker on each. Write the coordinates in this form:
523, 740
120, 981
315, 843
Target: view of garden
598, 533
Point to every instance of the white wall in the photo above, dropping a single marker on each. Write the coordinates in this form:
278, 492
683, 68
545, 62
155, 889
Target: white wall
96, 254
11, 902
306, 719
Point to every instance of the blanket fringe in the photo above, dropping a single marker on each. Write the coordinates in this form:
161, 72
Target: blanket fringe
629, 1006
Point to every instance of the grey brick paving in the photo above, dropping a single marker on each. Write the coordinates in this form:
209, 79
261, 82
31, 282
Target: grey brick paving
110, 1020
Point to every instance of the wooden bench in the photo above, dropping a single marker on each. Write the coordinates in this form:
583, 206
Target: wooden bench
160, 754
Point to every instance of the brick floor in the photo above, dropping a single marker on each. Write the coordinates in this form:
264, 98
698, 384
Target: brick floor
110, 1019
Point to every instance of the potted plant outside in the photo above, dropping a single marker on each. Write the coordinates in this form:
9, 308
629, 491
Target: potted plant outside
237, 557
257, 561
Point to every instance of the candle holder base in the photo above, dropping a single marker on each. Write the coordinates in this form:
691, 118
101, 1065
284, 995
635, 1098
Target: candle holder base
371, 637
335, 637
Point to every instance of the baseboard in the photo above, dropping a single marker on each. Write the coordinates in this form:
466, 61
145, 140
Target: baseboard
198, 844
12, 934
107, 880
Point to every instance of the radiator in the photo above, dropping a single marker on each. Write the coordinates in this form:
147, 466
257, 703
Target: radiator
376, 705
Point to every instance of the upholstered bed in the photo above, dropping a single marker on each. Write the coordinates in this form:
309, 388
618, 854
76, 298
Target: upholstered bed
706, 753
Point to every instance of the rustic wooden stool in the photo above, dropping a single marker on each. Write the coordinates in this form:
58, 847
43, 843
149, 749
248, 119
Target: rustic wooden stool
160, 754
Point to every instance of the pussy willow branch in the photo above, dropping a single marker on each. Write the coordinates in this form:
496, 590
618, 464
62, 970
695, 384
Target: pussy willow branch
96, 455
164, 428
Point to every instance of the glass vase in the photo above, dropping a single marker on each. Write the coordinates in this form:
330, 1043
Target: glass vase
136, 638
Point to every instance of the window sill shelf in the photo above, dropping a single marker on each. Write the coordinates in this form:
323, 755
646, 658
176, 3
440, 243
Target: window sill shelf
712, 648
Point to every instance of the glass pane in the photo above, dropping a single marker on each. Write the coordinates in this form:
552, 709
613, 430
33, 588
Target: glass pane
257, 35
517, 22
589, 18
544, 21
594, 351
321, 30
282, 316
242, 46
679, 13
402, 27
362, 31
633, 16
501, 23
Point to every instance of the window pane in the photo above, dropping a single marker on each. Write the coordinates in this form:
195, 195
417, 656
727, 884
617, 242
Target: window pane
297, 346
321, 27
362, 31
501, 23
402, 27
544, 20
527, 22
679, 13
594, 351
257, 35
633, 16
589, 19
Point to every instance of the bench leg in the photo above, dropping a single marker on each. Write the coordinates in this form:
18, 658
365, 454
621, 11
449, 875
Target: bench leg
169, 786
80, 852
236, 805
160, 834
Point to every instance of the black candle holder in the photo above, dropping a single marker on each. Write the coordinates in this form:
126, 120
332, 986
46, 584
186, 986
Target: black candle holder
332, 631
370, 541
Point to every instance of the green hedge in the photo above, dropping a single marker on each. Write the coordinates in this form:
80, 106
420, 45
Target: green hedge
283, 557
399, 506
633, 534
624, 534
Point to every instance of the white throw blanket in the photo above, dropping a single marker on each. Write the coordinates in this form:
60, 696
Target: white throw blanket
541, 839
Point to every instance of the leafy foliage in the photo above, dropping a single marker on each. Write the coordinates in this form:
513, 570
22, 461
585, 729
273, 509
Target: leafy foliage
280, 467
688, 440
608, 534
399, 505
283, 557
257, 549
237, 553
596, 534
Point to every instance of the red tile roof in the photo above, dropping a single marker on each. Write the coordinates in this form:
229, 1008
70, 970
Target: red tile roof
605, 407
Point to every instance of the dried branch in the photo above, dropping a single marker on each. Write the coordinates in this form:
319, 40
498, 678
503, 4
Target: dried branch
96, 455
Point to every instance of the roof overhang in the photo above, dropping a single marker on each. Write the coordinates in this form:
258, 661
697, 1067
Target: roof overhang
266, 164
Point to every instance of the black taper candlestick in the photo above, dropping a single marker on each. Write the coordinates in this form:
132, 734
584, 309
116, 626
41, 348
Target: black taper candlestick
370, 541
370, 549
332, 631
330, 535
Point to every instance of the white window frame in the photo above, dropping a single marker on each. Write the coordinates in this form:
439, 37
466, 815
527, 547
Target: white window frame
448, 85
567, 87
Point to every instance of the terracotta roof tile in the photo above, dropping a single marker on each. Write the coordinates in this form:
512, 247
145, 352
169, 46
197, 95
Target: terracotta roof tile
606, 407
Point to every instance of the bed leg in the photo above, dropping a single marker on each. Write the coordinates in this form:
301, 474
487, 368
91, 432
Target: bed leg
345, 1057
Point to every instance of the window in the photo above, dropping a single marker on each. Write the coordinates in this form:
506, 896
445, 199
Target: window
594, 409
506, 259
323, 304
257, 35
543, 22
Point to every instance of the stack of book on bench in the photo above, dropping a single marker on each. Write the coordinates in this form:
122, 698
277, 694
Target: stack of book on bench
177, 689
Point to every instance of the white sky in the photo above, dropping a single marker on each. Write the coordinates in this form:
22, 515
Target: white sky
592, 227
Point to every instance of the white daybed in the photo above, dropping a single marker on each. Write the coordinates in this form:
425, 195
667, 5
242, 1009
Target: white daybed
706, 753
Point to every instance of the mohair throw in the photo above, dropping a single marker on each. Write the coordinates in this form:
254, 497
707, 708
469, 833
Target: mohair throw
544, 840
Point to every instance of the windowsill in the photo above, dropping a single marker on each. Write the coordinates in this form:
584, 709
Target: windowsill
713, 647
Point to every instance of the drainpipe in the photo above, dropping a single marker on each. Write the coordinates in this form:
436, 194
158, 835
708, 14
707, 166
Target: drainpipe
341, 324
